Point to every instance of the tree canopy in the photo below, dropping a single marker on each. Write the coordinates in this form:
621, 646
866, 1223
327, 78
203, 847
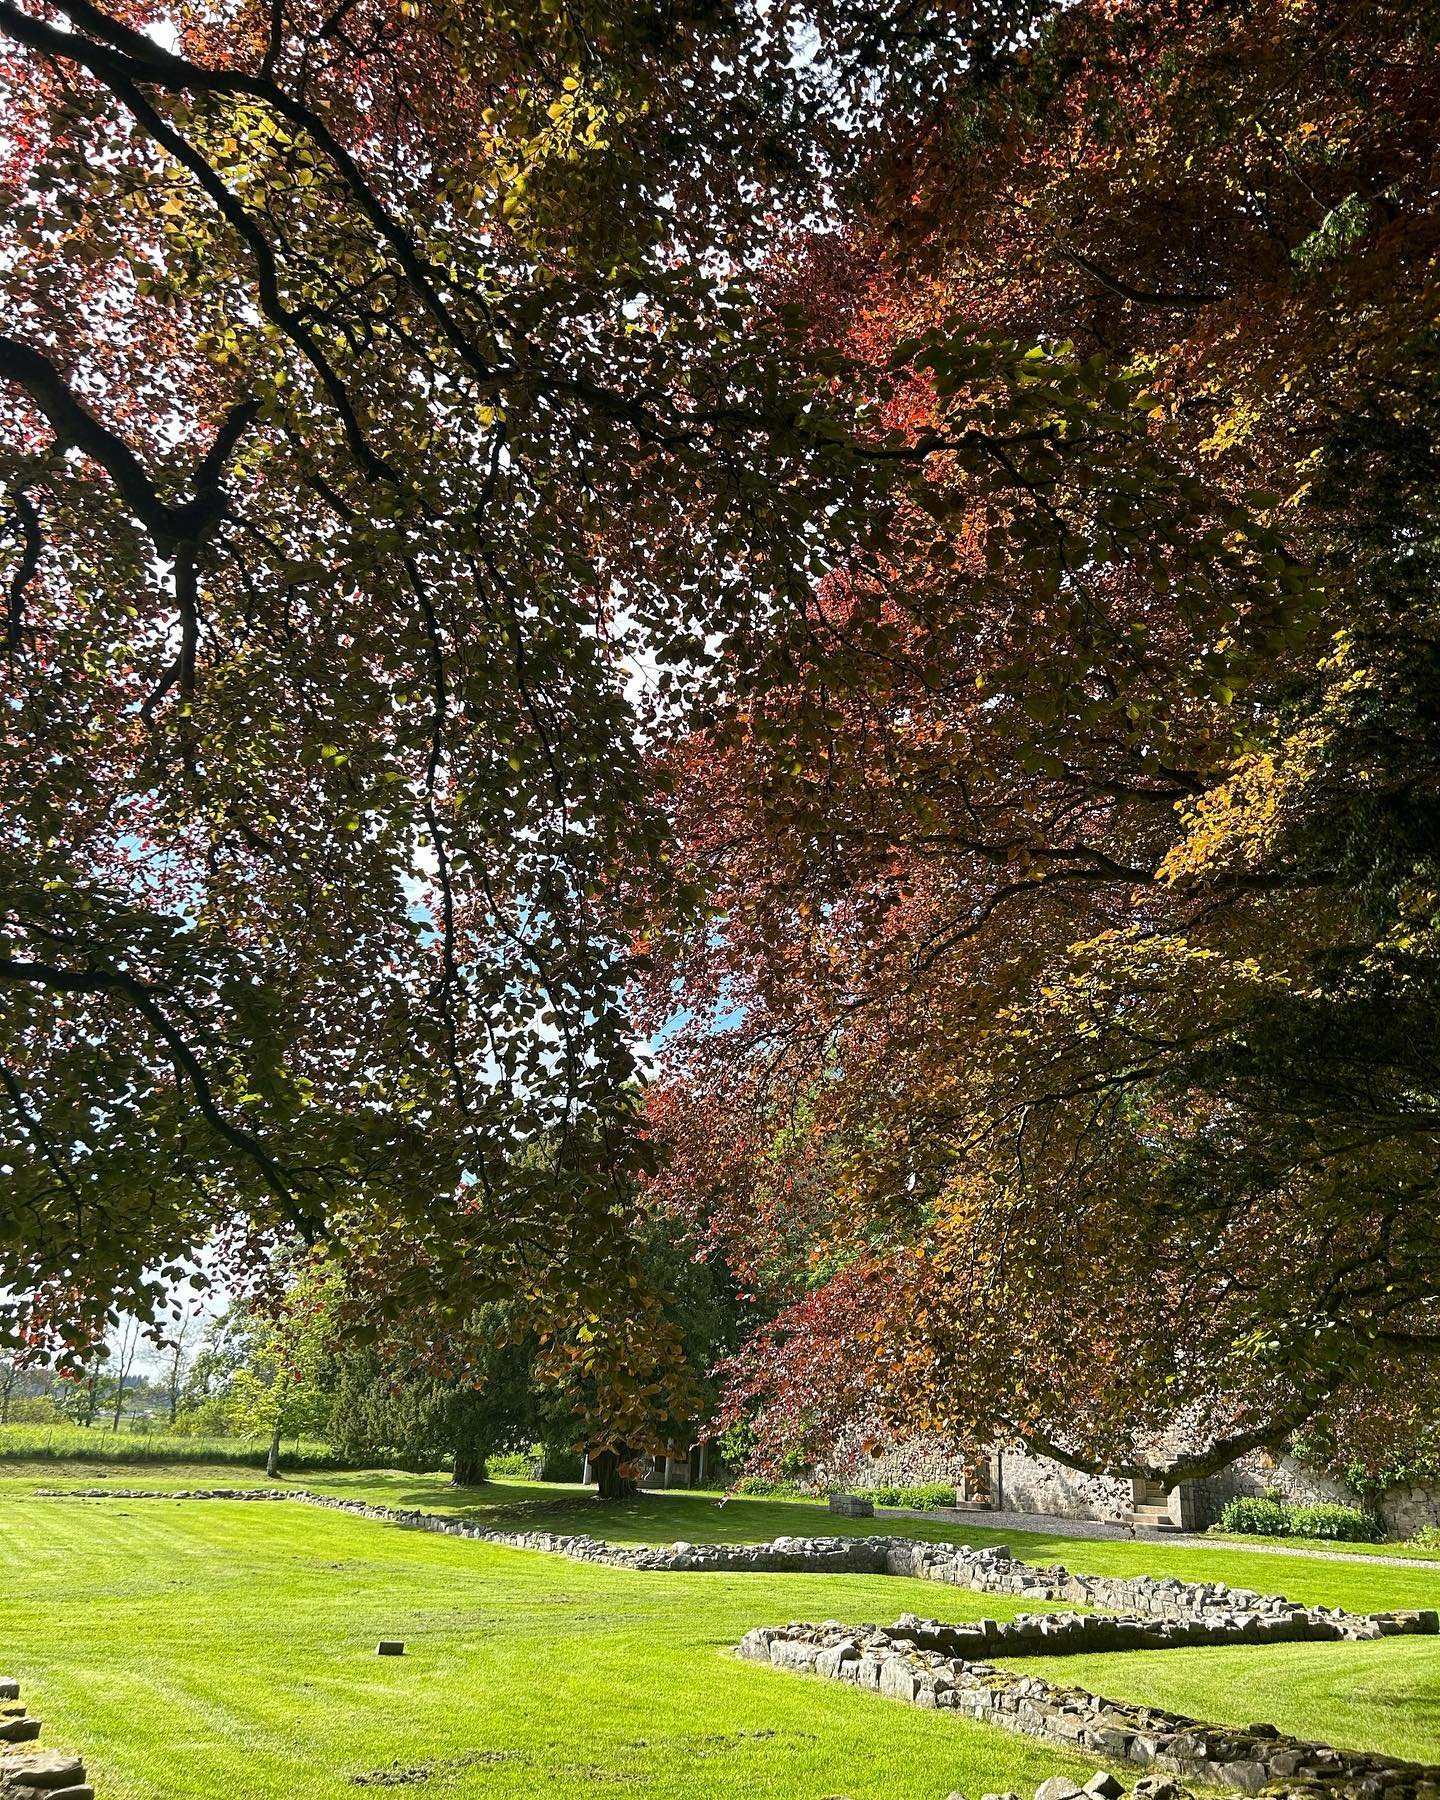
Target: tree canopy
894, 554
1062, 1055
373, 377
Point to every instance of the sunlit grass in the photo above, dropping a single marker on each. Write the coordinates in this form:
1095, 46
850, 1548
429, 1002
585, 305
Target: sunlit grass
199, 1648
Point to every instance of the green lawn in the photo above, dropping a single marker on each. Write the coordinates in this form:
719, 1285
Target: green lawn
228, 1650
204, 1649
1394, 1547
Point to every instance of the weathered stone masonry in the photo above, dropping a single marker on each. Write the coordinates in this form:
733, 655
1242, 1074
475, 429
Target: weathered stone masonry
31, 1774
916, 1662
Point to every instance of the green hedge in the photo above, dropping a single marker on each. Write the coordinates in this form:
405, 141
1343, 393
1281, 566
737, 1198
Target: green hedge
1347, 1524
1257, 1517
760, 1487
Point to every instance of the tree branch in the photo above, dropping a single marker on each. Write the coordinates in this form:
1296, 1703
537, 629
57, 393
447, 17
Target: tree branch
119, 981
31, 544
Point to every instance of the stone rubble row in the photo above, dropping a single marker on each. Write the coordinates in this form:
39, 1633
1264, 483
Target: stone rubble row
909, 1662
27, 1774
1228, 1615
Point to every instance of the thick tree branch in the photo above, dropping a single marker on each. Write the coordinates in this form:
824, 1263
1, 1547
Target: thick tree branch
77, 428
1272, 1434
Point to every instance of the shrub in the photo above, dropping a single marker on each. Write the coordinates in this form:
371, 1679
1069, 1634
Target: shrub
1346, 1524
1255, 1517
34, 1409
557, 1465
540, 1462
924, 1497
511, 1465
1274, 1518
760, 1487
1426, 1538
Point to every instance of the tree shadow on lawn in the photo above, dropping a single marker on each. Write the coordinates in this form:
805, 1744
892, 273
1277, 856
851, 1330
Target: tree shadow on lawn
649, 1518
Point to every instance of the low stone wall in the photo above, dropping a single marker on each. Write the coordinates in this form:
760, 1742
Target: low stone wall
1238, 1614
30, 1774
914, 1662
1272, 1616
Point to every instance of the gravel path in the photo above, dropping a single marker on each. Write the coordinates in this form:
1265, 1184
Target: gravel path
1049, 1526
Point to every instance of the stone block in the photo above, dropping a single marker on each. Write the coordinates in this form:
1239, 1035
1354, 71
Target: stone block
852, 1506
1105, 1785
1059, 1787
43, 1770
897, 1679
1244, 1777
828, 1662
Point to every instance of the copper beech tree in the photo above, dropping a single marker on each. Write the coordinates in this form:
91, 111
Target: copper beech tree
1059, 1060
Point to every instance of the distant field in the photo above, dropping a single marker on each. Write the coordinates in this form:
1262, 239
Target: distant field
97, 1444
203, 1648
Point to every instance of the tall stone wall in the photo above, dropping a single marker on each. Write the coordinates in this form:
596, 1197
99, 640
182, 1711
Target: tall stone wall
1405, 1510
1259, 1474
1023, 1483
909, 1462
1399, 1511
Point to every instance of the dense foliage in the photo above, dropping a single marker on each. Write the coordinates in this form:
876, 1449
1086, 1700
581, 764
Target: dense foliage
1258, 1516
905, 545
373, 379
1061, 1057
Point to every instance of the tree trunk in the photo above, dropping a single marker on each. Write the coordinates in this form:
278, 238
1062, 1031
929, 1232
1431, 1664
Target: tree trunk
605, 1466
129, 1347
272, 1459
469, 1470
